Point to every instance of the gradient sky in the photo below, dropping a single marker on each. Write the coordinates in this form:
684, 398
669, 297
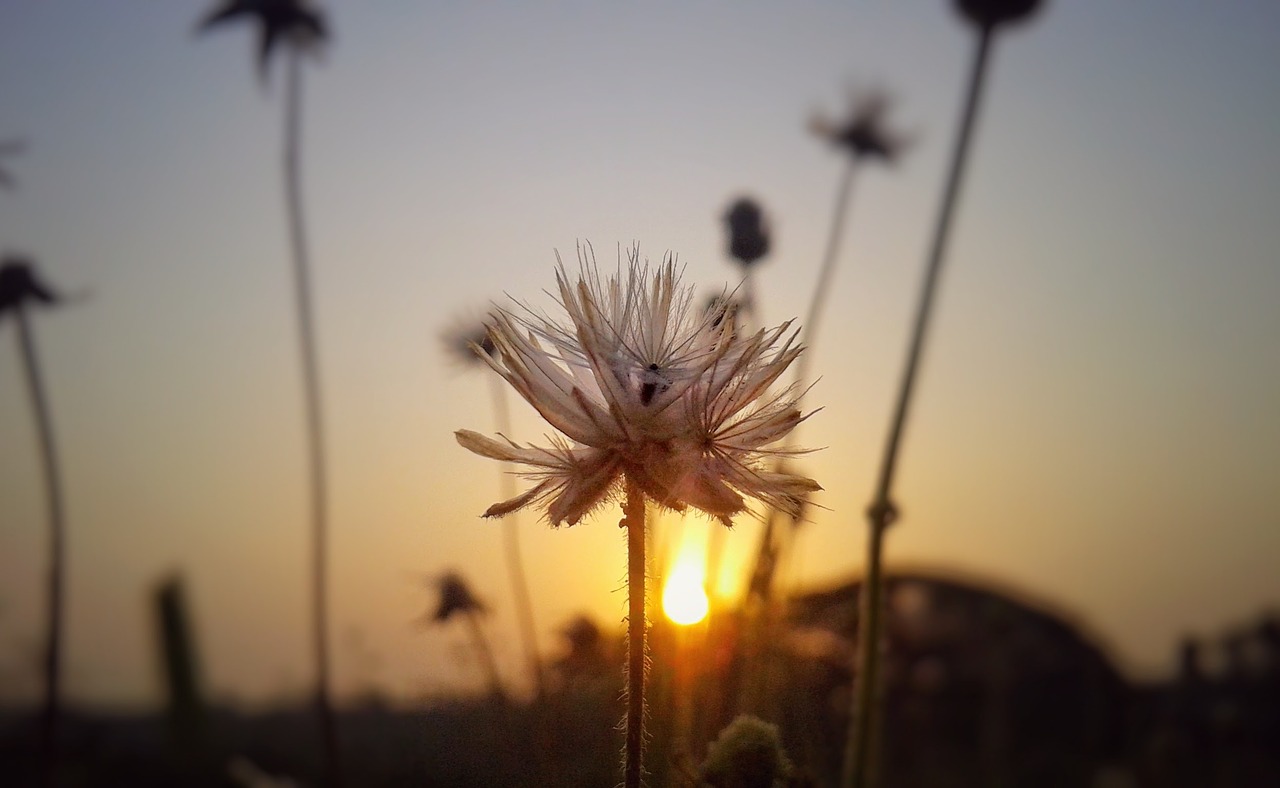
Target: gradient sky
1096, 423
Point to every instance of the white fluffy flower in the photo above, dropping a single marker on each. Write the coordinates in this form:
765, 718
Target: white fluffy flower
640, 383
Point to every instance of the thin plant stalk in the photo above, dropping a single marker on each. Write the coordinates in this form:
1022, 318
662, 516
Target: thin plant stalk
313, 411
511, 539
771, 542
810, 326
749, 297
634, 522
810, 331
51, 713
858, 761
827, 271
486, 655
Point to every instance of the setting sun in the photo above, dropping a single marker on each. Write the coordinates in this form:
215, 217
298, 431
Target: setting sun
684, 599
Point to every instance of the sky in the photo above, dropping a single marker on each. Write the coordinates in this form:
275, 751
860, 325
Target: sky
1096, 420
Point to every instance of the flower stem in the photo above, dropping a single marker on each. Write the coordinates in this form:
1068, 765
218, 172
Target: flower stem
57, 546
772, 543
839, 216
314, 419
511, 539
634, 522
486, 655
858, 766
882, 512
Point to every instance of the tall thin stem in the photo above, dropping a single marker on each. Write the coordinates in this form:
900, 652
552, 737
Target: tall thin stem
511, 539
634, 522
486, 655
314, 418
57, 547
768, 548
771, 540
858, 765
839, 216
752, 316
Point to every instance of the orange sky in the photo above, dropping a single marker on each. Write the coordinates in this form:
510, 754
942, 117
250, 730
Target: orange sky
1096, 417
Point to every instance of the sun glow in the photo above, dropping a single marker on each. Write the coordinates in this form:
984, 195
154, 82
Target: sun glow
684, 597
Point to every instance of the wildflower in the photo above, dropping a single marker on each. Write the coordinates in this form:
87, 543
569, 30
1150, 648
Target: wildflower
863, 133
301, 27
748, 753
456, 598
989, 13
305, 26
19, 284
748, 231
644, 387
722, 307
462, 337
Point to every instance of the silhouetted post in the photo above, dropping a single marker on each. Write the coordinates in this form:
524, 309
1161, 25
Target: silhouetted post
180, 666
859, 759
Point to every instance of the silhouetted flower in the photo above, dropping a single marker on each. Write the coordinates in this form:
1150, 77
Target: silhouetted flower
748, 231
582, 634
748, 753
7, 148
20, 284
642, 384
305, 26
463, 338
989, 13
456, 597
863, 133
721, 308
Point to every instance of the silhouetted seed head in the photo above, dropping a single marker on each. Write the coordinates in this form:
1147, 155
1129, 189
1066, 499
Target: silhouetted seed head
581, 634
990, 13
467, 342
293, 21
9, 148
748, 753
19, 284
721, 308
643, 387
456, 597
863, 134
748, 231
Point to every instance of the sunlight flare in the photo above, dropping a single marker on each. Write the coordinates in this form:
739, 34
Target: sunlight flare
684, 596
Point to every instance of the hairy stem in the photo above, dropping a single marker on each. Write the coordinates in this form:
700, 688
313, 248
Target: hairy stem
57, 546
313, 412
634, 522
881, 513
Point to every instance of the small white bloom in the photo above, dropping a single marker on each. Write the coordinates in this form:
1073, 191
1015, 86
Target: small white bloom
640, 382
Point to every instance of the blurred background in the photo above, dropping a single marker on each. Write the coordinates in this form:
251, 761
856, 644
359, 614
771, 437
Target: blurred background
1096, 428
